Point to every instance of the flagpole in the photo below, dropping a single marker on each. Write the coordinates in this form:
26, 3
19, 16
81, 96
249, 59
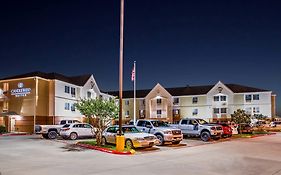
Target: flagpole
135, 93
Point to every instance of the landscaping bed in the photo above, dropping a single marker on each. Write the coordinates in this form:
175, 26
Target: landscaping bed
253, 135
104, 148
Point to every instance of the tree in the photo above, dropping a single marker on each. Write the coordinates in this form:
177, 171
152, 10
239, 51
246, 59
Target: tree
102, 110
239, 117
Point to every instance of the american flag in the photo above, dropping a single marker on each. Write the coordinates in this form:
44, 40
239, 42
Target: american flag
133, 74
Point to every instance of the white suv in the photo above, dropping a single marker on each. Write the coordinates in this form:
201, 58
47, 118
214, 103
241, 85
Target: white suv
77, 130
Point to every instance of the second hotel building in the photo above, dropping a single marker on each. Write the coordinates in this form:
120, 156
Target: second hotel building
43, 98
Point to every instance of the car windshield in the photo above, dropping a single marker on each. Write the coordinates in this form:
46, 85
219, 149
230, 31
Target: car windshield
159, 124
201, 121
66, 126
130, 130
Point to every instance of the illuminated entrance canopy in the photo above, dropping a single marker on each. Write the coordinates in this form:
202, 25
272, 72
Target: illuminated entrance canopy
21, 91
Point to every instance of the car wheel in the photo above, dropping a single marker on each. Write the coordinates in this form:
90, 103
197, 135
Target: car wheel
52, 134
205, 136
129, 144
45, 136
103, 141
73, 136
161, 138
176, 142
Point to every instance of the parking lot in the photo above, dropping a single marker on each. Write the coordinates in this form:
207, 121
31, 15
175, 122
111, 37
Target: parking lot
34, 155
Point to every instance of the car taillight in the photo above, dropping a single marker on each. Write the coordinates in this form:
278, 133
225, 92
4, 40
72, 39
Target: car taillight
65, 129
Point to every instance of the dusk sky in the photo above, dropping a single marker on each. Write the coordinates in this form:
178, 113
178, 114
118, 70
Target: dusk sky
175, 42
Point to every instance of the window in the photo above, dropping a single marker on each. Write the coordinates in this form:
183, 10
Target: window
176, 101
223, 110
256, 97
143, 102
176, 111
248, 98
223, 98
158, 101
63, 122
73, 107
89, 94
66, 89
256, 110
184, 122
127, 102
127, 113
216, 98
73, 92
216, 110
248, 110
195, 112
159, 112
66, 106
195, 100
141, 123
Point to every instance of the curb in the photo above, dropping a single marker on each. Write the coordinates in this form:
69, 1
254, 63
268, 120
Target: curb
261, 135
104, 149
14, 134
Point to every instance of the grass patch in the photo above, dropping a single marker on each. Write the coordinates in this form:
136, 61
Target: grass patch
108, 146
255, 133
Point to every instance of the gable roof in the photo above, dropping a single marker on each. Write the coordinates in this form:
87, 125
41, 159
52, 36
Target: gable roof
77, 80
189, 90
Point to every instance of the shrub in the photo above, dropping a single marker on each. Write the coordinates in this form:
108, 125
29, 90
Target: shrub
2, 129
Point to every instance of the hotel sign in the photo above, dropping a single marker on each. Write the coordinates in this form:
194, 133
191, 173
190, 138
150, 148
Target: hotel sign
21, 91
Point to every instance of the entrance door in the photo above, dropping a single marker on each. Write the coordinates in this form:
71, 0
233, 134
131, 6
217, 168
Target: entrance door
13, 123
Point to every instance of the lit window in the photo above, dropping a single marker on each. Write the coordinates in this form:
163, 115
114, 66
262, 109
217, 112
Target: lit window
195, 112
256, 97
248, 98
195, 100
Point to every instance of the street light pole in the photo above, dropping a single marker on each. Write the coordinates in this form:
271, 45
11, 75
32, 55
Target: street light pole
120, 139
121, 64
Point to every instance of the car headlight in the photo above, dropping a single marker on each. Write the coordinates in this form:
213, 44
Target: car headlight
167, 132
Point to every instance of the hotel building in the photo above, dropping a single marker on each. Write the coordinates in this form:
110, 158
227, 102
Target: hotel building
212, 102
43, 98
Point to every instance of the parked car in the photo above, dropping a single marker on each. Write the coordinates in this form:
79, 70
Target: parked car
77, 130
275, 123
200, 128
245, 129
52, 131
164, 132
133, 137
227, 130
